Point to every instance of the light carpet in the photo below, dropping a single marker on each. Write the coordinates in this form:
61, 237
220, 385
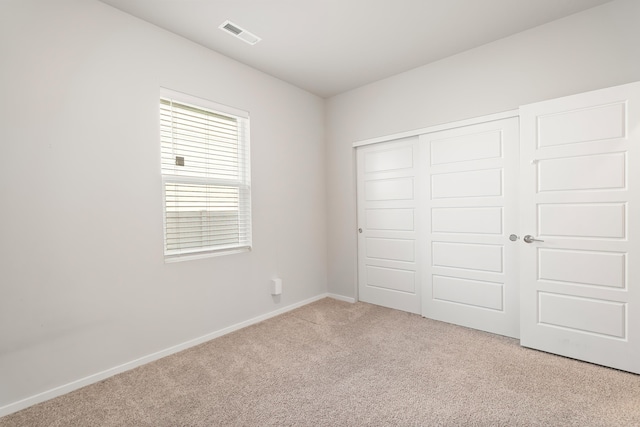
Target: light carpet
332, 363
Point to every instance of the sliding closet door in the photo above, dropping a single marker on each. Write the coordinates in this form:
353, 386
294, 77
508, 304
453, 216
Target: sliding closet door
388, 251
581, 203
471, 200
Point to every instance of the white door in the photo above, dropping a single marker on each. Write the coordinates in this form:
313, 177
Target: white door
388, 258
580, 178
471, 202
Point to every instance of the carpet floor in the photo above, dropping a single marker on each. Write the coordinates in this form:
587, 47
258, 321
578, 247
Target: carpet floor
332, 363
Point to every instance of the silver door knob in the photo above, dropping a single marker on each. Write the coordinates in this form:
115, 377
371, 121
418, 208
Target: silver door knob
529, 239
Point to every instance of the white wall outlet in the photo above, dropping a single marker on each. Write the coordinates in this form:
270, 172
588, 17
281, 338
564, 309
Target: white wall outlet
276, 286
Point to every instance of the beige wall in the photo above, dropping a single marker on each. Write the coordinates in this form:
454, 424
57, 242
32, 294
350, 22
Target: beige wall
589, 50
83, 284
84, 287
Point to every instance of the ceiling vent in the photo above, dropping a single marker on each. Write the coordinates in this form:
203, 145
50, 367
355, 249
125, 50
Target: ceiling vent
236, 31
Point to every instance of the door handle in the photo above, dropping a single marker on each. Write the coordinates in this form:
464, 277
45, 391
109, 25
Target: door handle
530, 239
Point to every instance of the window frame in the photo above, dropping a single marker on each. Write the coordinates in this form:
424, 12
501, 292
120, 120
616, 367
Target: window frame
242, 183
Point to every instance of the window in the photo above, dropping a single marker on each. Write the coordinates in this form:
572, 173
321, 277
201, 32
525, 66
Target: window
205, 177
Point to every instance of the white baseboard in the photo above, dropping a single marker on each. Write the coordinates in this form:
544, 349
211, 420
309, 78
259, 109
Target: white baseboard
82, 382
342, 298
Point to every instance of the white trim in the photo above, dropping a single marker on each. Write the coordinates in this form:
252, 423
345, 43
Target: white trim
200, 254
91, 379
202, 102
356, 254
438, 128
342, 298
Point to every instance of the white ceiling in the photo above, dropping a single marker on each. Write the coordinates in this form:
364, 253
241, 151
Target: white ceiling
331, 46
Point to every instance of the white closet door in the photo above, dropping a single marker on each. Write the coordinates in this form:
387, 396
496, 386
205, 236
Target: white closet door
388, 258
580, 177
471, 201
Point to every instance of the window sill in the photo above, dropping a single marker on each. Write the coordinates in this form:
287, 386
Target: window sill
187, 257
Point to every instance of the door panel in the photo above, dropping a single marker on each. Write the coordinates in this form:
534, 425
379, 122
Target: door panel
471, 206
391, 278
467, 220
597, 172
582, 267
582, 125
388, 250
389, 189
389, 219
604, 220
463, 148
583, 315
467, 256
391, 249
580, 179
389, 159
481, 183
469, 292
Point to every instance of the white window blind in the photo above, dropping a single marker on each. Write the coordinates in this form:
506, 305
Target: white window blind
206, 176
